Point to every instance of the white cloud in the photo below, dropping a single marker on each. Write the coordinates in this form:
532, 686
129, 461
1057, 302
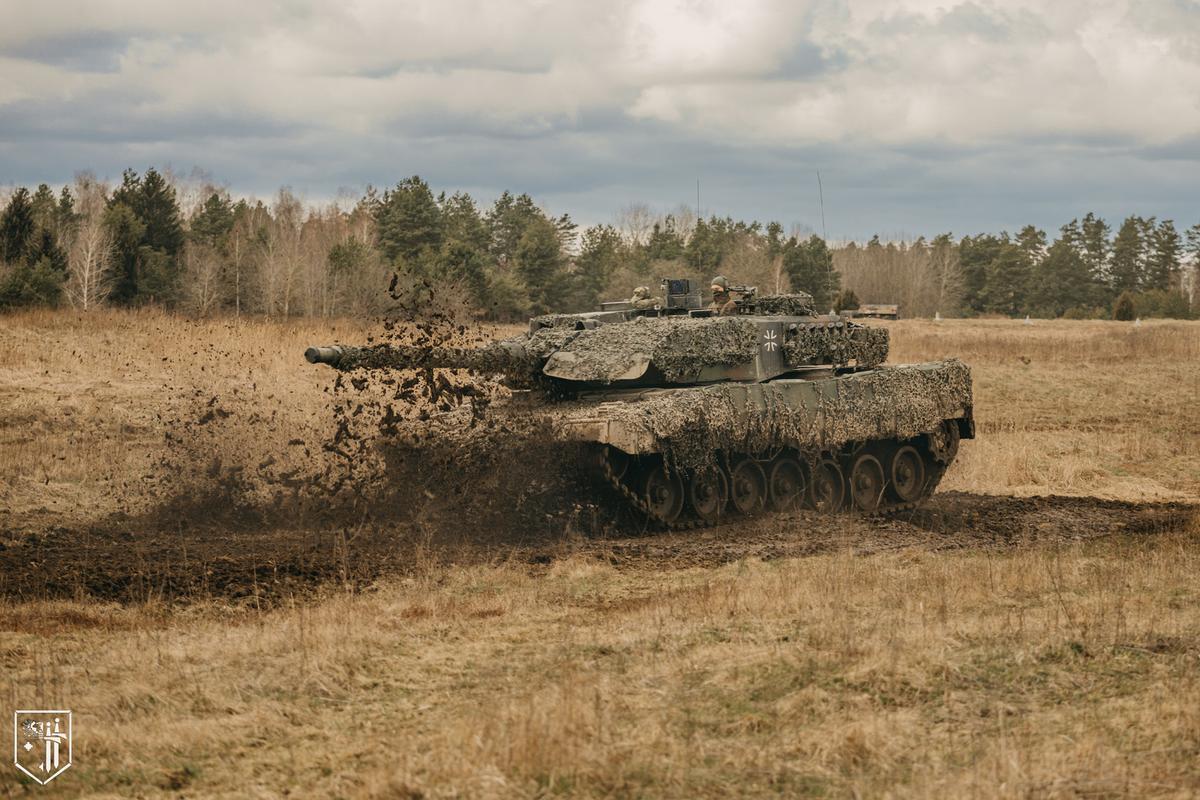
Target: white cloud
972, 75
893, 73
592, 81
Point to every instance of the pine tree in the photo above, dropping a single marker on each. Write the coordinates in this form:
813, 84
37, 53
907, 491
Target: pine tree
975, 256
1126, 270
703, 251
1097, 250
1071, 235
1032, 243
463, 256
214, 221
126, 231
1163, 262
17, 228
664, 242
599, 257
1193, 249
567, 232
996, 271
29, 246
1007, 279
507, 222
775, 240
67, 218
460, 261
409, 222
31, 285
539, 262
45, 210
809, 266
714, 239
1064, 281
144, 219
46, 250
158, 210
463, 223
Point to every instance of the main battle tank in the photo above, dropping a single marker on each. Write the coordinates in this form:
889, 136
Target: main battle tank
692, 416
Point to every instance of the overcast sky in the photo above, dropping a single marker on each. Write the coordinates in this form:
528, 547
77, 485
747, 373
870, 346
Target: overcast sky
920, 116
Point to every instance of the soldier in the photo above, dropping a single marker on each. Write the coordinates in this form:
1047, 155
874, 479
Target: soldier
722, 303
642, 298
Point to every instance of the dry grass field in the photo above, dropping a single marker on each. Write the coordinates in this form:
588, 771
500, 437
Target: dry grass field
995, 646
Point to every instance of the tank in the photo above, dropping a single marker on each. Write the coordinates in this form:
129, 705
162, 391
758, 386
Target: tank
692, 417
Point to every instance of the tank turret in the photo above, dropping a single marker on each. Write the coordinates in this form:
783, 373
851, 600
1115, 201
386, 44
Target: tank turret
671, 345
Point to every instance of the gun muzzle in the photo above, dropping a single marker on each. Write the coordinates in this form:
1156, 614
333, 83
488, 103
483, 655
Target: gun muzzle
324, 355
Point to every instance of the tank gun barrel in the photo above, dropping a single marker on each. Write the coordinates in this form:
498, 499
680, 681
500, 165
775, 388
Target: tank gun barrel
324, 355
500, 357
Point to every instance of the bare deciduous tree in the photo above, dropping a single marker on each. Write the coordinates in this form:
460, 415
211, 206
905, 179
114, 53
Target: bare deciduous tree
635, 221
202, 269
280, 266
923, 278
90, 250
749, 264
685, 221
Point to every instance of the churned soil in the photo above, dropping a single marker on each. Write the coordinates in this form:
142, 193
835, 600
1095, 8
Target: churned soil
184, 558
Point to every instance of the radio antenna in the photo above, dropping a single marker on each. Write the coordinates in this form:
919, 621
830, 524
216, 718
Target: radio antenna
821, 195
825, 238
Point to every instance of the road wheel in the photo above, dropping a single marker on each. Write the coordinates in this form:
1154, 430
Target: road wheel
827, 488
708, 492
748, 486
866, 483
786, 484
663, 493
908, 474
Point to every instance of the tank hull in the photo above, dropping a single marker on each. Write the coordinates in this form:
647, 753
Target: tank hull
875, 441
824, 411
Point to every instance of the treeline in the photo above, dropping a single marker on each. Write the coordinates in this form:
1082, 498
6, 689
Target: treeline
139, 243
192, 247
1147, 269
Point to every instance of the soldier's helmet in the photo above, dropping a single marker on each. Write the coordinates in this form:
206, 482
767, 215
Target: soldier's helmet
720, 283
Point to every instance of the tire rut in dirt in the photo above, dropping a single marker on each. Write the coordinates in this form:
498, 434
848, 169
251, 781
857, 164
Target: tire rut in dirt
136, 564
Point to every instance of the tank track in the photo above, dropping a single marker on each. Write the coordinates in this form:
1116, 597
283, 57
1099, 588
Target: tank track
937, 448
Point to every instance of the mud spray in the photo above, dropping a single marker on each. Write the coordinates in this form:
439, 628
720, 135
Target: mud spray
417, 450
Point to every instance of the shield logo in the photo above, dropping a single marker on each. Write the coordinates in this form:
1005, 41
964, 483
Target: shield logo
42, 743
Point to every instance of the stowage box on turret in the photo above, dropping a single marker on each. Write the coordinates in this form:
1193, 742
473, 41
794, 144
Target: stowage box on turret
695, 416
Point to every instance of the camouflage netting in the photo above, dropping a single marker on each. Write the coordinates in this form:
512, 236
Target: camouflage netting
555, 321
819, 344
690, 425
799, 304
679, 347
518, 357
545, 341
